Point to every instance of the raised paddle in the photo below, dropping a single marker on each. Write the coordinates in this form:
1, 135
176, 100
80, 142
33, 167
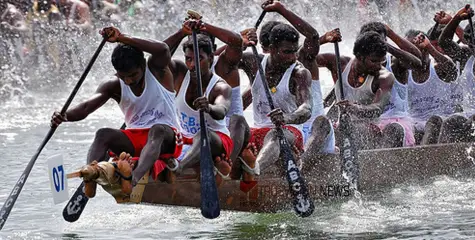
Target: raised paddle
303, 204
209, 192
348, 150
8, 205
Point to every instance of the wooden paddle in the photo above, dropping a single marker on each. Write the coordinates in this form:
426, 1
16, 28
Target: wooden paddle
209, 192
348, 150
303, 204
8, 205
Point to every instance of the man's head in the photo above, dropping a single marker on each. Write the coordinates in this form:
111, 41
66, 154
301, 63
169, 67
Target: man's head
205, 47
411, 35
264, 35
129, 62
377, 27
284, 44
370, 51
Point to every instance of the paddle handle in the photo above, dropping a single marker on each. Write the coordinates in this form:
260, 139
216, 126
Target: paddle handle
8, 205
338, 69
472, 35
259, 20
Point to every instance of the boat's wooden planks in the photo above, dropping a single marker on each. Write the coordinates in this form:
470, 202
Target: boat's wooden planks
380, 168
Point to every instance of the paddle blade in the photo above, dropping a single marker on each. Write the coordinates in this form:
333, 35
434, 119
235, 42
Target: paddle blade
348, 152
303, 204
72, 211
209, 193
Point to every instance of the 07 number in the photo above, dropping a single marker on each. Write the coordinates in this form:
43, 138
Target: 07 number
58, 181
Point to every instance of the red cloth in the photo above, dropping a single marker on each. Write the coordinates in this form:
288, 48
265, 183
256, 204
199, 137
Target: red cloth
258, 135
139, 137
228, 143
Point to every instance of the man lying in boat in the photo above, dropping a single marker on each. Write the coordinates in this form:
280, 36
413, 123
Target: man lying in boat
367, 88
144, 90
430, 88
225, 65
395, 121
290, 83
215, 101
460, 128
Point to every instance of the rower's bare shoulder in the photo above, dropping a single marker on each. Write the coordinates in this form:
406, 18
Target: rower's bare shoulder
301, 71
386, 77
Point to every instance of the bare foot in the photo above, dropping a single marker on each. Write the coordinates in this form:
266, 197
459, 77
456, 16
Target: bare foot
249, 155
223, 164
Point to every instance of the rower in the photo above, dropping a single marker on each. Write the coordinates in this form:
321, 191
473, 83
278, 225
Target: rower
215, 102
367, 88
290, 83
225, 65
459, 128
429, 88
395, 122
318, 133
144, 90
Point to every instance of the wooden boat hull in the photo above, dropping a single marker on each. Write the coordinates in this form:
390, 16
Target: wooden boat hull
379, 169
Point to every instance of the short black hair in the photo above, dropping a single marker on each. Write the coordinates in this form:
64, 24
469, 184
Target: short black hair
265, 32
412, 33
126, 57
283, 32
369, 43
204, 43
375, 27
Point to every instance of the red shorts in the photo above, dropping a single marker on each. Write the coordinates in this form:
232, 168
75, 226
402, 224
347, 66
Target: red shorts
139, 137
258, 135
228, 143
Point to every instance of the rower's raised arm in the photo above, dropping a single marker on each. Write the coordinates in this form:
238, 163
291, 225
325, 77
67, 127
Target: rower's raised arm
406, 59
233, 52
455, 51
404, 44
159, 50
445, 67
311, 44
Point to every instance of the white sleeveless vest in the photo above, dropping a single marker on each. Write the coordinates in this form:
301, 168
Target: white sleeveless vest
428, 98
283, 98
190, 118
318, 108
236, 100
398, 105
468, 83
362, 94
156, 105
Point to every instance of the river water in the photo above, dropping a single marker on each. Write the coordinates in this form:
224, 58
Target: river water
443, 209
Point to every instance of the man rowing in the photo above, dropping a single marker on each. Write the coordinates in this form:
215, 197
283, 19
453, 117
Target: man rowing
215, 101
367, 88
225, 65
290, 83
459, 128
395, 121
318, 130
144, 90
